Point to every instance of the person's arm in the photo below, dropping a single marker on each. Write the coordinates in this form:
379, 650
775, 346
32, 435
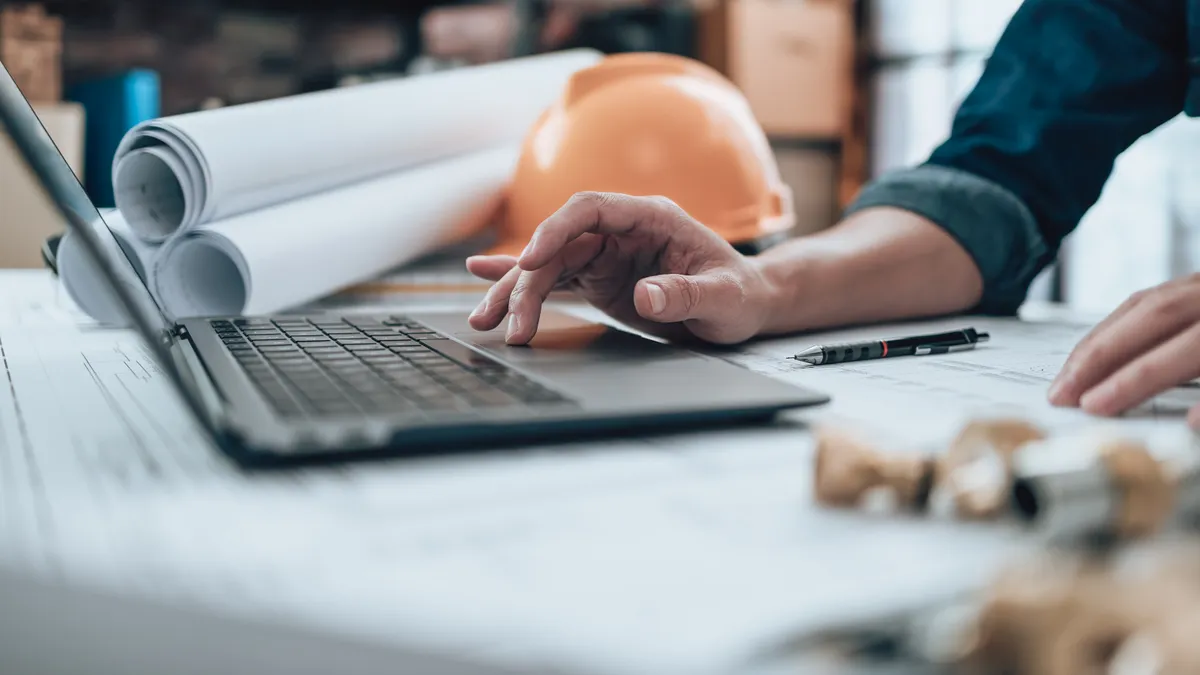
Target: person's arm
879, 264
1070, 85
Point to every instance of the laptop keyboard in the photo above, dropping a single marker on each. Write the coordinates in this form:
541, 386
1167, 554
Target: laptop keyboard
362, 366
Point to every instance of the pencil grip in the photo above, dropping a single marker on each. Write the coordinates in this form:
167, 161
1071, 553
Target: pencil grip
842, 353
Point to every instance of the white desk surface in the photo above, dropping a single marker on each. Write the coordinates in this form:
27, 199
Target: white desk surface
686, 553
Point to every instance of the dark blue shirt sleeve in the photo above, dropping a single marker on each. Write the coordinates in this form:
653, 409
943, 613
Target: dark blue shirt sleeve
1069, 86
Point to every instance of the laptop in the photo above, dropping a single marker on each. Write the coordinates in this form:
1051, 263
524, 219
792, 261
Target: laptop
277, 389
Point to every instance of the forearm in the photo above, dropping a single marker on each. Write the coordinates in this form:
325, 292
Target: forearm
1029, 152
878, 264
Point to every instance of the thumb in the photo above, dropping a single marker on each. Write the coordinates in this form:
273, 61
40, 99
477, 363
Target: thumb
669, 298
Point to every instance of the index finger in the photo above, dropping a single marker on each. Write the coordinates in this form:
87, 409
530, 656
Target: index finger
1096, 354
590, 212
1171, 364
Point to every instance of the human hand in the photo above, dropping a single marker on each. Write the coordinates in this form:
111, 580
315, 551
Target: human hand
642, 260
1146, 346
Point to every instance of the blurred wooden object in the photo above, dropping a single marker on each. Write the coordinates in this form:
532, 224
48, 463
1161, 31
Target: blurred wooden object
811, 170
712, 29
474, 33
28, 217
855, 167
794, 59
31, 49
799, 65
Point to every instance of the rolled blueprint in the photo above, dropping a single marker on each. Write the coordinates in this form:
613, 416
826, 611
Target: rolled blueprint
296, 252
81, 278
182, 171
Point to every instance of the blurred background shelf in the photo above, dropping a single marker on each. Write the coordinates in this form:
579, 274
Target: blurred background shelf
845, 89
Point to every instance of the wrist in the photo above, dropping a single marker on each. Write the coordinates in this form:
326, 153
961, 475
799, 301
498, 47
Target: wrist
782, 281
877, 265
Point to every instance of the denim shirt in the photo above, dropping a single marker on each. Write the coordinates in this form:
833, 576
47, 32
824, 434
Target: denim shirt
1069, 86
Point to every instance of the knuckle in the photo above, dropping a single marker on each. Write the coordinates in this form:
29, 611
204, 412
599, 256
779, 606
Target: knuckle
1142, 372
1137, 298
592, 198
519, 291
731, 288
1169, 305
689, 291
673, 211
1124, 386
1091, 354
592, 205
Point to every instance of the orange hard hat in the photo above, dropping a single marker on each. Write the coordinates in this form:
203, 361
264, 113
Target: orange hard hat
651, 124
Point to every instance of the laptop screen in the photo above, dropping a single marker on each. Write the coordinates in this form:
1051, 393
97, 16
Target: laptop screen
83, 220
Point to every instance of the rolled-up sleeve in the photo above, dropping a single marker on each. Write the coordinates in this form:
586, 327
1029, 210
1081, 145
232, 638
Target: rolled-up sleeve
1069, 86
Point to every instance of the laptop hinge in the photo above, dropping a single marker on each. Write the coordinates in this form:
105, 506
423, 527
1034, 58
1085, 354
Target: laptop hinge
200, 379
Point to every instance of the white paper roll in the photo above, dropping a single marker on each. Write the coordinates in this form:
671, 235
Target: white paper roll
186, 170
296, 252
83, 280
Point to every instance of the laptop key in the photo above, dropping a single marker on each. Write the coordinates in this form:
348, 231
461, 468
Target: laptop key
329, 367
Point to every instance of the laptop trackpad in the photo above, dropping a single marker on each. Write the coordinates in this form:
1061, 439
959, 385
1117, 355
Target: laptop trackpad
567, 340
608, 368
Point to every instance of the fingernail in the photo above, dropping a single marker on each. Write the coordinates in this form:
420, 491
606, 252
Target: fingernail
658, 299
514, 325
479, 309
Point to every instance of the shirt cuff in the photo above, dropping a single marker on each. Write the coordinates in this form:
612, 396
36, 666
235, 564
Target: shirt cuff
994, 226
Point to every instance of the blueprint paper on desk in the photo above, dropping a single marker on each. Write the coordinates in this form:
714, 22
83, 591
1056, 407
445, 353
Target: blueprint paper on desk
925, 399
677, 554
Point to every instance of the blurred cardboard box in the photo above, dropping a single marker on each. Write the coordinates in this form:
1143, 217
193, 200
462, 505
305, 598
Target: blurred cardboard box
813, 174
794, 60
27, 216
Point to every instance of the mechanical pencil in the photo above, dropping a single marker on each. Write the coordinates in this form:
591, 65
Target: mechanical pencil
917, 345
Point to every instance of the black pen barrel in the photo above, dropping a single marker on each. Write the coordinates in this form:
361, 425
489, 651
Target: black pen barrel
953, 337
